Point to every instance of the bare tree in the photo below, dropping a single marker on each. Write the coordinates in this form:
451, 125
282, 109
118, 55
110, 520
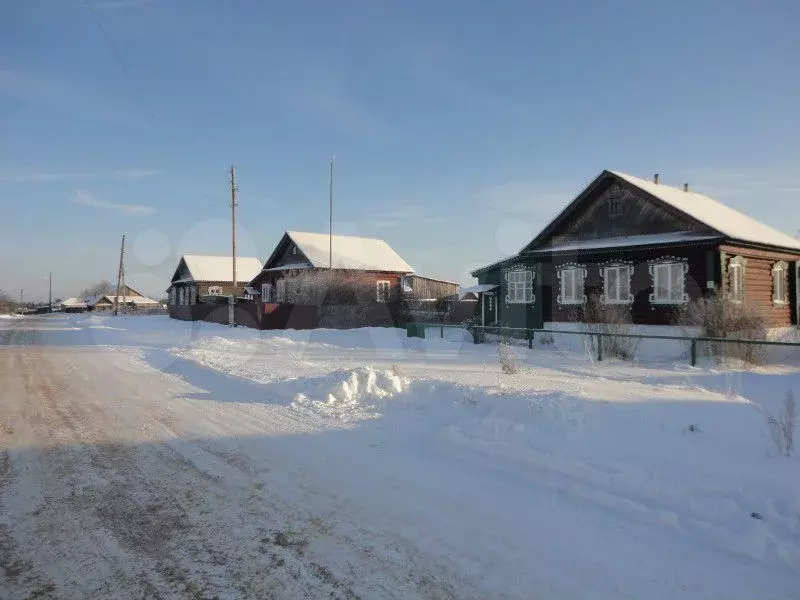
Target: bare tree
99, 289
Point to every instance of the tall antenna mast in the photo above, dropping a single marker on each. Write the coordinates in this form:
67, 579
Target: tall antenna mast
234, 189
120, 276
330, 218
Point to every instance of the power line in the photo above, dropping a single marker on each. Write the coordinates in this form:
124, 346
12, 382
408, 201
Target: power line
118, 55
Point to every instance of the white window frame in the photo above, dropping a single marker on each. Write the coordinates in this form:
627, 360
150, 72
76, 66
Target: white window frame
623, 293
737, 264
172, 296
665, 268
780, 274
215, 290
575, 274
266, 292
519, 286
383, 289
192, 295
280, 291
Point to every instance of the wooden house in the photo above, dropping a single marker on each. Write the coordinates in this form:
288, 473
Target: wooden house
199, 276
369, 268
647, 247
129, 298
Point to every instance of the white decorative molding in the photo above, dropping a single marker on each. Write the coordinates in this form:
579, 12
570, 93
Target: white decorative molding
780, 269
668, 260
570, 267
736, 262
520, 268
611, 264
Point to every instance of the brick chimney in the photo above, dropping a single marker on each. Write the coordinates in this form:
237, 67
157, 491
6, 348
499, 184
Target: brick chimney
685, 187
655, 178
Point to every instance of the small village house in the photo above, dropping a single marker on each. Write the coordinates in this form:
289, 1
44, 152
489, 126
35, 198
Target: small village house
198, 276
370, 267
647, 247
129, 298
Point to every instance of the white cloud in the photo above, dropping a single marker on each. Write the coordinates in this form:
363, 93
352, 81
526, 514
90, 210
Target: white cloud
87, 199
27, 176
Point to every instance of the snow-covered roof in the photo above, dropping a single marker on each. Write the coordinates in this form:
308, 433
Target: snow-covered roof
349, 252
726, 220
676, 237
289, 267
136, 300
73, 302
220, 268
476, 289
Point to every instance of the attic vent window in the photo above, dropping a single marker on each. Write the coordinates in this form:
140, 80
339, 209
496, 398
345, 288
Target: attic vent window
293, 249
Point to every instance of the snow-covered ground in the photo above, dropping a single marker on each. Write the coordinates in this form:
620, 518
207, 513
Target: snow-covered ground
568, 479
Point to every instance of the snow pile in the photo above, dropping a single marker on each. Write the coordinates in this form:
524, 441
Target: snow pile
10, 317
350, 395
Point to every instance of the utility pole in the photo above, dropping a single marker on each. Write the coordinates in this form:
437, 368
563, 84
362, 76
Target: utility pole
232, 305
120, 277
50, 301
330, 219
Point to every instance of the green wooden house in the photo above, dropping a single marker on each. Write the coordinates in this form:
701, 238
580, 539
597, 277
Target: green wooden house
647, 247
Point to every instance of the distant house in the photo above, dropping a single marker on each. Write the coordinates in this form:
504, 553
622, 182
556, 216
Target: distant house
644, 246
371, 265
73, 305
199, 276
129, 298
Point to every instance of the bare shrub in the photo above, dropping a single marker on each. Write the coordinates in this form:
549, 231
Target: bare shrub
602, 318
721, 318
781, 428
508, 357
474, 328
546, 339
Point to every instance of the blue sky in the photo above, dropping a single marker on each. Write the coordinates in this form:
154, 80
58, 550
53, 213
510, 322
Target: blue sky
459, 128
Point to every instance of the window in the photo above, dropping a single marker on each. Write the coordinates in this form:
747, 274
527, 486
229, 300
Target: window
669, 283
383, 290
215, 290
617, 284
280, 290
172, 296
180, 295
193, 295
736, 279
572, 278
780, 274
266, 292
520, 287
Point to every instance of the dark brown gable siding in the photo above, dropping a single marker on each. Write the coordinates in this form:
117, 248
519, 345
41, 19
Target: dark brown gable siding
615, 208
758, 283
642, 311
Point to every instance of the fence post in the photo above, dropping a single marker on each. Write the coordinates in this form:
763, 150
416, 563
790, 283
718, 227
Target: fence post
599, 347
694, 352
530, 340
441, 332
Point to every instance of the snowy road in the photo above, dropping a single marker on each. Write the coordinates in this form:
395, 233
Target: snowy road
127, 473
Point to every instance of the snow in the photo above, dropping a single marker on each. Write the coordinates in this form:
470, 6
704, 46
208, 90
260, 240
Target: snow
713, 213
633, 240
220, 268
349, 252
288, 267
571, 479
476, 289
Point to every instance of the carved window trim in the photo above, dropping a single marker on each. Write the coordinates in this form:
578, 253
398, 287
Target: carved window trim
522, 290
215, 290
671, 261
576, 270
736, 274
780, 274
616, 265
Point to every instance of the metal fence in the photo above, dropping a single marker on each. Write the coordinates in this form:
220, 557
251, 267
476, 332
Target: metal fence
479, 333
